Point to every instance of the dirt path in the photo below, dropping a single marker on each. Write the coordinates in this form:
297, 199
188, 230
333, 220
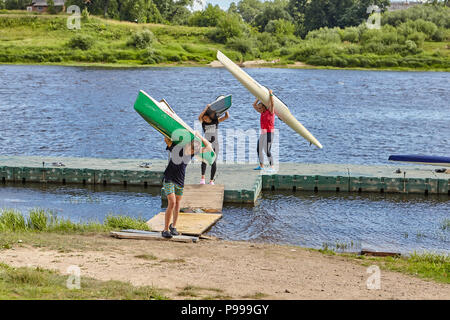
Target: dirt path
227, 269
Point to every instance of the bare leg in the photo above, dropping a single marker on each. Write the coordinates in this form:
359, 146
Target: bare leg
170, 206
176, 210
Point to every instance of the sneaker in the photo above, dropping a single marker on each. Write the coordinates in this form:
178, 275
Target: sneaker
202, 181
173, 231
211, 183
259, 168
166, 234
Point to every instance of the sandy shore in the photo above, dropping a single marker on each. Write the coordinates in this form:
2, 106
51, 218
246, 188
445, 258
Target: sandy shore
221, 269
262, 63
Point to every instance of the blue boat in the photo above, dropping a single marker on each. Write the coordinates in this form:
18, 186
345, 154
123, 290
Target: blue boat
431, 160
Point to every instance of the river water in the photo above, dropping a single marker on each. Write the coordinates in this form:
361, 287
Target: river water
360, 117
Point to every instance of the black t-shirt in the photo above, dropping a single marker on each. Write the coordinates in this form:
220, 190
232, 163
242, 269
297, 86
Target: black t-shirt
210, 130
176, 169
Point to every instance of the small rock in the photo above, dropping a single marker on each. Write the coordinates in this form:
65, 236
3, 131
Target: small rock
293, 250
19, 241
287, 291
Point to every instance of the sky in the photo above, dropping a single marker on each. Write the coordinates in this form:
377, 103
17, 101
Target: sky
223, 4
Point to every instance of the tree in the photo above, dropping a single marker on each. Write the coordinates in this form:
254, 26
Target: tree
229, 26
275, 10
207, 18
280, 27
173, 10
314, 14
51, 7
249, 9
16, 4
233, 9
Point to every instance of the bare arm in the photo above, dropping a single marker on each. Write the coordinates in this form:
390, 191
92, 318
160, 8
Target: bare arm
255, 106
168, 141
200, 117
225, 117
271, 107
207, 144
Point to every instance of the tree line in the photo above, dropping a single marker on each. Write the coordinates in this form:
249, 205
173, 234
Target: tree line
297, 17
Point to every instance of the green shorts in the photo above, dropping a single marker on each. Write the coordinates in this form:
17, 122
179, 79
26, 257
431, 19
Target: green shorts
170, 187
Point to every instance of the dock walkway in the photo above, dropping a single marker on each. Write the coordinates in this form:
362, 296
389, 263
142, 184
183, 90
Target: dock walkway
242, 183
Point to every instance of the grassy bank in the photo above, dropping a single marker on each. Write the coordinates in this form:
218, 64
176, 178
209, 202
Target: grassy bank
39, 220
45, 39
40, 229
431, 266
37, 283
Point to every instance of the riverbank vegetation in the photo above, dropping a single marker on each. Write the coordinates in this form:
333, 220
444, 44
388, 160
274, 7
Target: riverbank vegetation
316, 33
39, 220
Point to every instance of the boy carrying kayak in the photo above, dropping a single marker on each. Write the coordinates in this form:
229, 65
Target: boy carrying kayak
210, 128
174, 175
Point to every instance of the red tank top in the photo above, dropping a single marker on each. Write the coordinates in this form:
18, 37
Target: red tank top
267, 121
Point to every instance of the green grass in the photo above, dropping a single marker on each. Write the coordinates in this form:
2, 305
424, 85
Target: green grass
190, 291
44, 39
146, 256
430, 266
426, 265
40, 220
445, 225
38, 283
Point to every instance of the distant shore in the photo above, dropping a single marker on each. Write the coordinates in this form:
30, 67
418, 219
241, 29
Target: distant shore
245, 64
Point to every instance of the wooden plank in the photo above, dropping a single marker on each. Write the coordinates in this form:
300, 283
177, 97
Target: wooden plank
193, 224
208, 198
146, 235
379, 253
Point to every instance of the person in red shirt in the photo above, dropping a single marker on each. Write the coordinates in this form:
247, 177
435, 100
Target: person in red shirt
267, 123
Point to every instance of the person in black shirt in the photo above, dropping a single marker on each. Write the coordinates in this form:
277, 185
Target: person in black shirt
174, 175
210, 128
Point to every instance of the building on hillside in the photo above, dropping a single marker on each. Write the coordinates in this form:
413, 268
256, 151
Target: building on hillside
403, 5
42, 5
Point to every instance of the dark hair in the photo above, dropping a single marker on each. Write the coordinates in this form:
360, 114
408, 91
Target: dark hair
263, 105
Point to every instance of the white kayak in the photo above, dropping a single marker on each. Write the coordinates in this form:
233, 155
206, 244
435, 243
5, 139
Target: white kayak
260, 92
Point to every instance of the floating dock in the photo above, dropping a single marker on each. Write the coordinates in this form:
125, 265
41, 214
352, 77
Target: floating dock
242, 183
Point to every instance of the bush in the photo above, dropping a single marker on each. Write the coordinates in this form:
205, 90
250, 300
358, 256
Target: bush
209, 17
81, 41
418, 38
410, 46
266, 42
85, 14
280, 27
325, 35
350, 34
141, 39
441, 34
229, 26
243, 45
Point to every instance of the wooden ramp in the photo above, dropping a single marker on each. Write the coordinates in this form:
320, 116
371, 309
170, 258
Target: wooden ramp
193, 224
206, 197
147, 235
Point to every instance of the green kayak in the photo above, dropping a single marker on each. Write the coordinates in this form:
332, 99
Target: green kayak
161, 117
